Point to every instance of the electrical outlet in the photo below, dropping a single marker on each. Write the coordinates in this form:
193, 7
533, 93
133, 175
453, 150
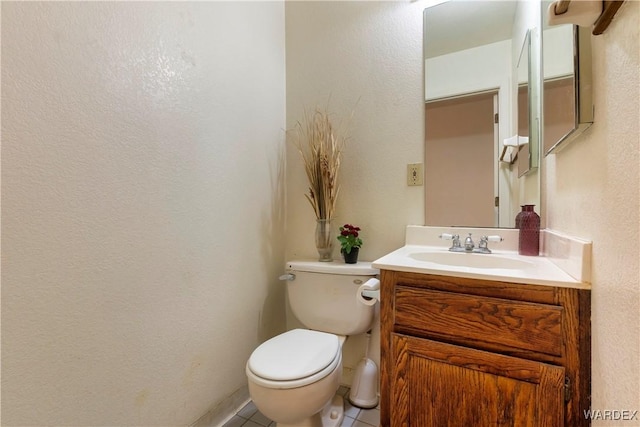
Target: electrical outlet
414, 174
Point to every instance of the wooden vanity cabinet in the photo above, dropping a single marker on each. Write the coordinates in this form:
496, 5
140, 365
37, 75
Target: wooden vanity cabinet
465, 352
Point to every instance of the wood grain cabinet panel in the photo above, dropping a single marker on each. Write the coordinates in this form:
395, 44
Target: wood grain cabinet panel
452, 386
466, 352
515, 324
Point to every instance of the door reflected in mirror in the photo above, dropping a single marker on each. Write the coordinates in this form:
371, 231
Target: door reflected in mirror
460, 136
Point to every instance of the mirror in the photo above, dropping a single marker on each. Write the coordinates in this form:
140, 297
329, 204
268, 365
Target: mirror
568, 104
471, 52
524, 160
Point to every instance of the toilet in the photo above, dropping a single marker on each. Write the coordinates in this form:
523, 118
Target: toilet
293, 377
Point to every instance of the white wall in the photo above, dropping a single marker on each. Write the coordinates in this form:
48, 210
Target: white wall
142, 207
557, 53
592, 190
450, 75
364, 57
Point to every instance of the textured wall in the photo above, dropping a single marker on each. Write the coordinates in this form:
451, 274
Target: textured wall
142, 207
593, 190
364, 57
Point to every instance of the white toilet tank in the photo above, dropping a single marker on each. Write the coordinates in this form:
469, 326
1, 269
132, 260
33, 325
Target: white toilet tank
323, 296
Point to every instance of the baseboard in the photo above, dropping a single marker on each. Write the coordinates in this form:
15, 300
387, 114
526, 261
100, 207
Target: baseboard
225, 410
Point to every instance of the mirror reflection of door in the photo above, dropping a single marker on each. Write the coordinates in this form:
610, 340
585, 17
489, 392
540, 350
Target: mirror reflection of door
559, 108
460, 141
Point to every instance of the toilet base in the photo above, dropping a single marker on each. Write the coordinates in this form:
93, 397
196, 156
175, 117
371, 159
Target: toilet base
330, 416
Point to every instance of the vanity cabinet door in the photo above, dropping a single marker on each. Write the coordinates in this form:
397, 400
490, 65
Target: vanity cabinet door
435, 384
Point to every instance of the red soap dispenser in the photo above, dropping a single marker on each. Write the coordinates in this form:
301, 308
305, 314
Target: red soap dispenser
528, 222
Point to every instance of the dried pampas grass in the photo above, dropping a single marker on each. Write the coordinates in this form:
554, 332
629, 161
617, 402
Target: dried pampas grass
320, 147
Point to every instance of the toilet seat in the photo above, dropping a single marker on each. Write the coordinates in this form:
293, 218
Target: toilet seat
294, 359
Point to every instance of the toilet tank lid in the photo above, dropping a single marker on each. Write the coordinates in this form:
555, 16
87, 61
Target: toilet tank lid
295, 354
335, 267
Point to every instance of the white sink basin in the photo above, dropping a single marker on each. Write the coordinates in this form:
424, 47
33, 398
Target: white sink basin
471, 260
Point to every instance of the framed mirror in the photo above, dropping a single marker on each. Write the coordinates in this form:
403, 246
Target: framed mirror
471, 53
567, 87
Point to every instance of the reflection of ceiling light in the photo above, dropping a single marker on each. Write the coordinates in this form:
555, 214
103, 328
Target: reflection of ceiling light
430, 3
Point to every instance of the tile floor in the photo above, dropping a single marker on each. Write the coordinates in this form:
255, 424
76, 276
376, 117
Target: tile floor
249, 416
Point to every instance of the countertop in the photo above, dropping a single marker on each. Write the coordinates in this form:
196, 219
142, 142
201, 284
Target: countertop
536, 270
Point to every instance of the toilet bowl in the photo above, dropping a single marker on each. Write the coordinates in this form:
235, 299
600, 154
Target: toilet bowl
294, 376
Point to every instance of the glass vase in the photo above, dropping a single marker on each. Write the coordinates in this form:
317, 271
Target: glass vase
324, 240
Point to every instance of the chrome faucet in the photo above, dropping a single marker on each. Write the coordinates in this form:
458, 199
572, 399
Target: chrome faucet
469, 245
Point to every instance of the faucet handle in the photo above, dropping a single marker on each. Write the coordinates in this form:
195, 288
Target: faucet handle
447, 236
483, 247
454, 237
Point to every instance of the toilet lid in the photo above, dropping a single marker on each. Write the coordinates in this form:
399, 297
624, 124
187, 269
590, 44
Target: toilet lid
295, 354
